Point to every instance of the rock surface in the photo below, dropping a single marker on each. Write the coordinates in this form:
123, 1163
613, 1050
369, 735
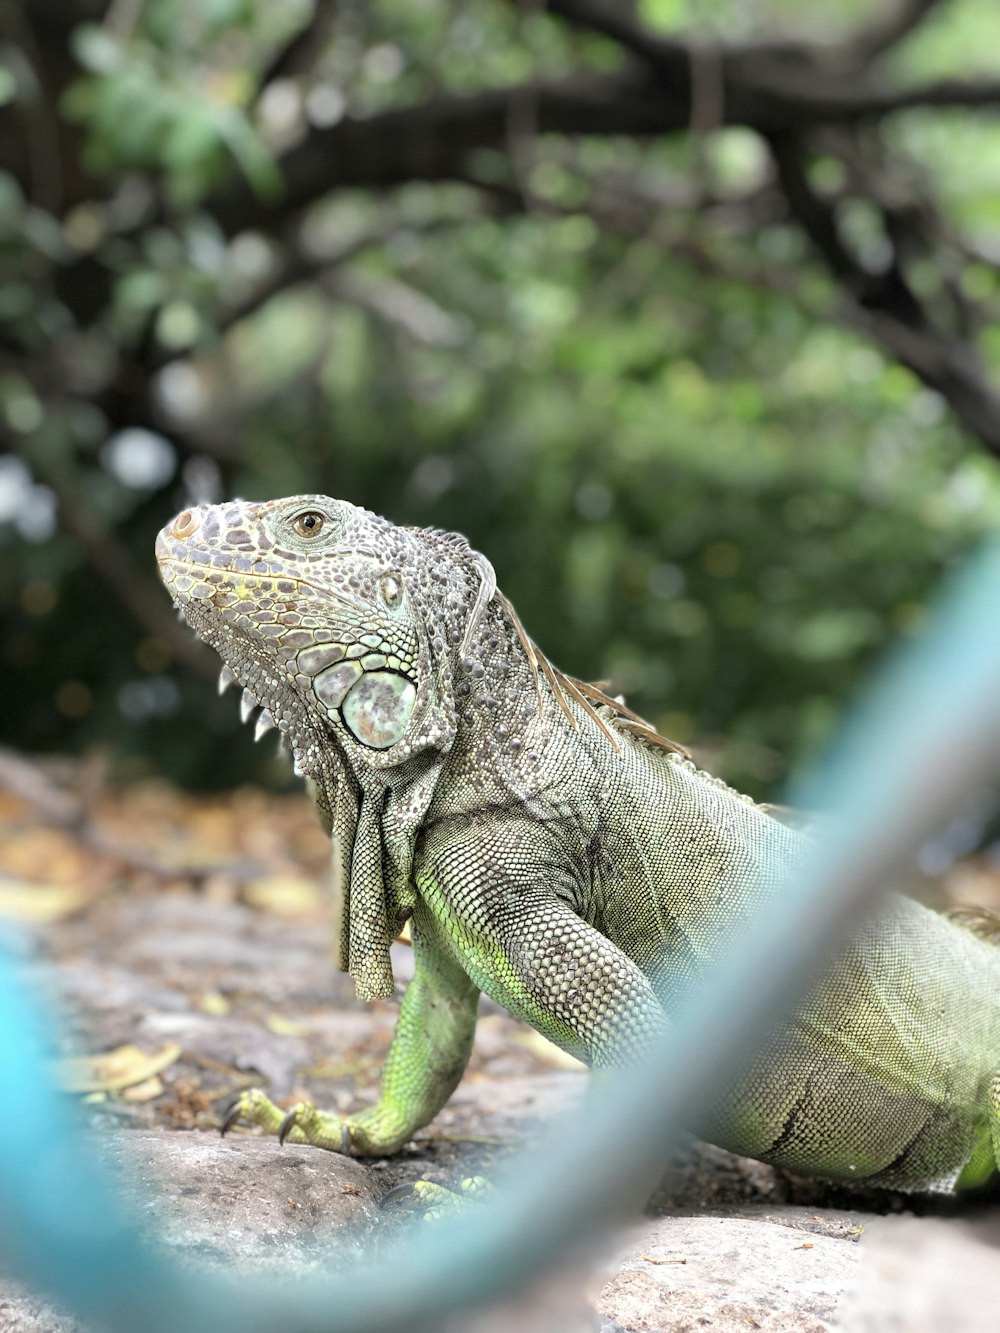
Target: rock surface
251, 998
731, 1273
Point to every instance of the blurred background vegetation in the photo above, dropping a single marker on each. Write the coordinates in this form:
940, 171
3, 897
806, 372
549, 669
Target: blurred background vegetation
684, 311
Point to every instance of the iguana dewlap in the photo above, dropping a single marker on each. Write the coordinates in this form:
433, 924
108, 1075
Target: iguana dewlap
551, 850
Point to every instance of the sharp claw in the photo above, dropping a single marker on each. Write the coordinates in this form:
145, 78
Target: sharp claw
247, 704
404, 1191
226, 678
287, 1125
232, 1115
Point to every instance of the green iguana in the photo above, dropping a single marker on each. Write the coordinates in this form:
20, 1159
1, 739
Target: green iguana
550, 849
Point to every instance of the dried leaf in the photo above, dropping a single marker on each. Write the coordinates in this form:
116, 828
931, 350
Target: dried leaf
213, 1002
547, 1051
20, 900
124, 1067
284, 895
285, 1027
145, 1091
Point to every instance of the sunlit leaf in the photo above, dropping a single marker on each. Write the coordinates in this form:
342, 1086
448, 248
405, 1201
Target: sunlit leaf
248, 148
146, 1091
285, 1027
124, 1067
546, 1051
40, 902
96, 48
284, 895
213, 1002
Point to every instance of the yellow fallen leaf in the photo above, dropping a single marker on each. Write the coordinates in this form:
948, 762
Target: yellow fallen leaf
145, 1091
213, 1002
284, 895
20, 900
547, 1051
285, 1027
124, 1067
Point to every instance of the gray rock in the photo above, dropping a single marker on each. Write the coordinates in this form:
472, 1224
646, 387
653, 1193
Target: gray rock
244, 1201
925, 1274
760, 1250
240, 1204
730, 1274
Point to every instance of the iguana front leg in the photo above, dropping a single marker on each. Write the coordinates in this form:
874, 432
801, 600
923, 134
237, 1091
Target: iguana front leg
984, 1162
507, 908
430, 1049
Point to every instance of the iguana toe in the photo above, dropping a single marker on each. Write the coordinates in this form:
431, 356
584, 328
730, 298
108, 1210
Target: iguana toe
368, 1134
305, 1124
302, 1124
233, 1113
438, 1202
256, 1108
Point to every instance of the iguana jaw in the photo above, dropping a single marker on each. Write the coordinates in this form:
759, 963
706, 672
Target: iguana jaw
267, 701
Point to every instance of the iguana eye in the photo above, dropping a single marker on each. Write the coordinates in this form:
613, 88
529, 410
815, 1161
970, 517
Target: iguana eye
391, 590
308, 524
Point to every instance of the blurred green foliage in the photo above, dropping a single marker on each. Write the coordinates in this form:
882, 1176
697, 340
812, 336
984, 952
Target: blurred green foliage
693, 481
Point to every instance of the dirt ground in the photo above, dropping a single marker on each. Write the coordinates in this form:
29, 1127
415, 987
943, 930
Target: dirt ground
185, 942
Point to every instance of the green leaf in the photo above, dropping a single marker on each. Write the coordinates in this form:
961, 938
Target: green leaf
95, 48
223, 14
141, 290
250, 151
8, 86
191, 139
665, 14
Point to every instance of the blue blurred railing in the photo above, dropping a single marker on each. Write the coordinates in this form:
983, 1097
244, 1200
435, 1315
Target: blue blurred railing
927, 733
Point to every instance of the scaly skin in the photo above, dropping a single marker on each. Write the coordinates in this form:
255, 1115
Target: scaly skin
552, 851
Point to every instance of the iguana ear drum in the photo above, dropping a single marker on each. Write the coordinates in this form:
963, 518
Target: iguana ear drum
377, 709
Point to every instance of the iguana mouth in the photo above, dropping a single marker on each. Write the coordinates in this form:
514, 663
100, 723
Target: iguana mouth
238, 667
238, 568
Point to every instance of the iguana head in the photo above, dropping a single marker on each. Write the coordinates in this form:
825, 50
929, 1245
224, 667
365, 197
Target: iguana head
333, 619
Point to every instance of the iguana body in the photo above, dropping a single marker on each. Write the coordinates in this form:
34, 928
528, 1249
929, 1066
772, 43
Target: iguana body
551, 850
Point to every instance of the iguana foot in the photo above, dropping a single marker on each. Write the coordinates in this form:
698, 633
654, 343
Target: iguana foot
437, 1201
302, 1124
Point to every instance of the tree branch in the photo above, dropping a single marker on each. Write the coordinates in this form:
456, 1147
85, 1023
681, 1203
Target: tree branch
781, 89
879, 37
669, 56
885, 306
434, 140
302, 49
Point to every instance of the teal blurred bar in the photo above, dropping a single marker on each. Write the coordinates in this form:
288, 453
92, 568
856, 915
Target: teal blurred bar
927, 733
62, 1229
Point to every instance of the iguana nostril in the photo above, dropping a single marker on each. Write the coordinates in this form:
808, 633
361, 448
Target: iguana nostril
185, 524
